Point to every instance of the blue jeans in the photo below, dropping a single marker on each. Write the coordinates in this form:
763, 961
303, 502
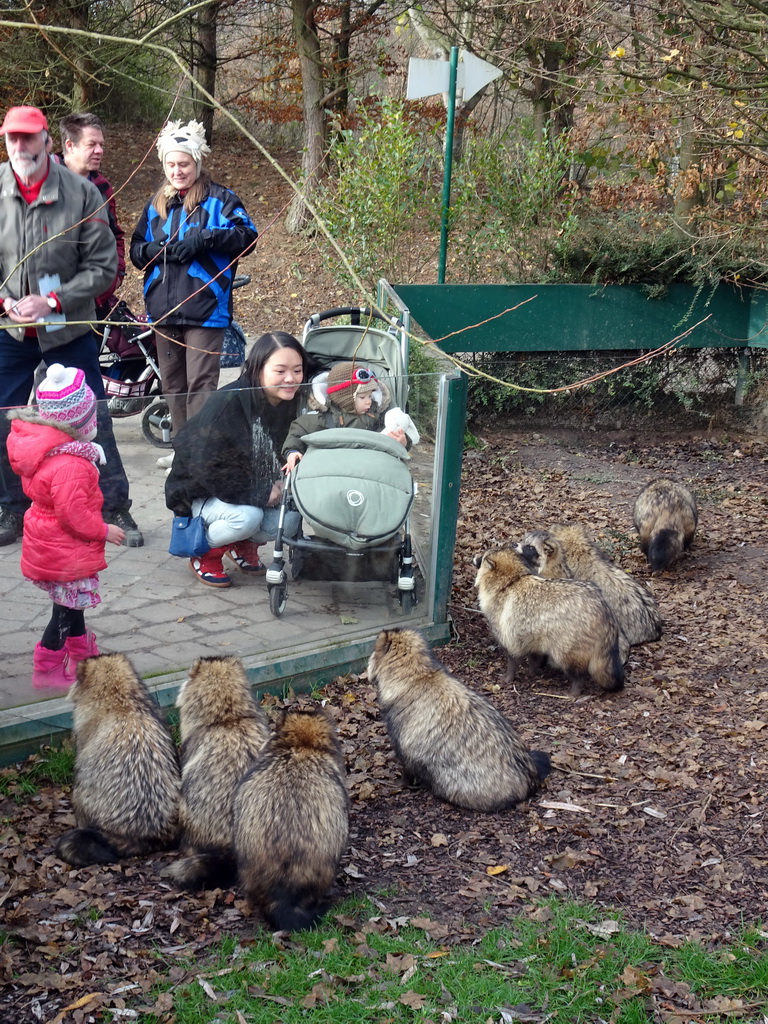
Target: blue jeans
18, 362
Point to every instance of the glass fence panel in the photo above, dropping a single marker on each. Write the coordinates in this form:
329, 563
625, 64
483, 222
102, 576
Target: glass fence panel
156, 608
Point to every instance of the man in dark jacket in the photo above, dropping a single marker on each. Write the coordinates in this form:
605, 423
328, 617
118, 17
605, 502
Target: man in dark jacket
57, 254
82, 150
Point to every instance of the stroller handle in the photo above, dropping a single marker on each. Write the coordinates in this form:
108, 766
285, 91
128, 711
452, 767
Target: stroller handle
355, 312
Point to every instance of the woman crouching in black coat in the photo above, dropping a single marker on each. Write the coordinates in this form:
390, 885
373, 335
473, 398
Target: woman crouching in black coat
226, 465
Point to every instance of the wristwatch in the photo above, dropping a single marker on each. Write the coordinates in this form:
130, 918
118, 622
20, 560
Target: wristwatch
52, 303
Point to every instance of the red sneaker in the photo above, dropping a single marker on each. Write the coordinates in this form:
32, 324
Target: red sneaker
245, 555
209, 570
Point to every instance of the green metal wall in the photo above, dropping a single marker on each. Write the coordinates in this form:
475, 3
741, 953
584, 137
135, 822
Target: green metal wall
578, 317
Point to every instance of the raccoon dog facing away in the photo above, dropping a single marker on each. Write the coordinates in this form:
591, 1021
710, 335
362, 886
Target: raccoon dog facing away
223, 731
291, 821
665, 516
126, 789
447, 736
564, 620
571, 551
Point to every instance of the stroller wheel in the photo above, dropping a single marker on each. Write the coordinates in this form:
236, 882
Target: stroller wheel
156, 424
407, 601
278, 598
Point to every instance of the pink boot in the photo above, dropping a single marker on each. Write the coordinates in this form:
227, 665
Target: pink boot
80, 647
49, 669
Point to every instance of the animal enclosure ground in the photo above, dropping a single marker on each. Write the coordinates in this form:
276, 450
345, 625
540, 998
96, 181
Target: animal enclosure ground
655, 807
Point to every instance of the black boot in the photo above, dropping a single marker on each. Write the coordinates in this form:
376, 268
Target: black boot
11, 526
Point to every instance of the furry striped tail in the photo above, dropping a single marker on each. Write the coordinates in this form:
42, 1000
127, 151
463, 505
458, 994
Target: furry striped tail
542, 762
83, 846
211, 870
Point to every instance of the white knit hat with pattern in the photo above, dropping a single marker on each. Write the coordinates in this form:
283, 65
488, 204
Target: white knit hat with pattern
65, 400
183, 138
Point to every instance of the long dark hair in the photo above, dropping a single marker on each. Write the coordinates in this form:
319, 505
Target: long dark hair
260, 352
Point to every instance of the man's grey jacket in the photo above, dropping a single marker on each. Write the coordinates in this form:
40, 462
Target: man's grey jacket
63, 235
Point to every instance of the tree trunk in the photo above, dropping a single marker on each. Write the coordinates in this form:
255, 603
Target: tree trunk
76, 14
688, 195
308, 48
205, 63
340, 84
463, 112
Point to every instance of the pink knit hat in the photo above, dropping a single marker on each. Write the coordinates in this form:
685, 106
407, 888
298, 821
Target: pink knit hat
65, 400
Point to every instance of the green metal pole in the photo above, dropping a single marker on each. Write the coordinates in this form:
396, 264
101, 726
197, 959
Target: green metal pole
454, 399
453, 68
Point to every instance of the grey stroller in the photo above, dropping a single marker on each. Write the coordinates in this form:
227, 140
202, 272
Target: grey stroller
352, 488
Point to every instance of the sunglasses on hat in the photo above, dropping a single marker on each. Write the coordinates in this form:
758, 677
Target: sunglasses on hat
359, 376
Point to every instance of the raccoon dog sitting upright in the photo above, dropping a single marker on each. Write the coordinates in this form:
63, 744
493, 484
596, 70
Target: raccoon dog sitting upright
665, 516
223, 731
126, 790
565, 551
291, 821
566, 621
447, 736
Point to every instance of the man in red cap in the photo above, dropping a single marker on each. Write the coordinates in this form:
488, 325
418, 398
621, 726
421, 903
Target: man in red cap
57, 253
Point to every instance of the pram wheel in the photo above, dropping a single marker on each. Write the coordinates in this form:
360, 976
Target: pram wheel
278, 598
407, 601
156, 424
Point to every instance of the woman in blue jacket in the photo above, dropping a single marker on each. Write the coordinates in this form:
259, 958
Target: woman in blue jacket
188, 241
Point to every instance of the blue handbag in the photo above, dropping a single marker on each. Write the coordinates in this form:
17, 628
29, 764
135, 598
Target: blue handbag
188, 538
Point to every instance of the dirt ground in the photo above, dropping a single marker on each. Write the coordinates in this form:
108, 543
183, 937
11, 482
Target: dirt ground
656, 804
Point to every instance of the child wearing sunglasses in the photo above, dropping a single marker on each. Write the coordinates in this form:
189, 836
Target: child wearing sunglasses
347, 395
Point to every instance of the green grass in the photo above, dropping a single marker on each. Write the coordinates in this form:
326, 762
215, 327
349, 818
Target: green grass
51, 765
565, 964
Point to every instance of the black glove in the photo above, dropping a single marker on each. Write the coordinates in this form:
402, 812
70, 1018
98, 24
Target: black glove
188, 248
152, 250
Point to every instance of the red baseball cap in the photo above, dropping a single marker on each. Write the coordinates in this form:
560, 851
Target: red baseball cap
24, 119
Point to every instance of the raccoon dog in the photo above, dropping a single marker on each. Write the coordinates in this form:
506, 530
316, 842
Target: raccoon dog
291, 821
571, 551
126, 790
566, 621
665, 516
223, 730
446, 735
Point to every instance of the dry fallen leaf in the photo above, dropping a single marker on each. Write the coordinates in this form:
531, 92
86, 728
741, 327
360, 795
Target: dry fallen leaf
413, 999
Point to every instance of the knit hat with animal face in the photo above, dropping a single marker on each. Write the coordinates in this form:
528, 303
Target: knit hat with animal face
348, 380
183, 138
65, 400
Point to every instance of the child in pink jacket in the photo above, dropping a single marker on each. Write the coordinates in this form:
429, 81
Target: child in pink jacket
51, 447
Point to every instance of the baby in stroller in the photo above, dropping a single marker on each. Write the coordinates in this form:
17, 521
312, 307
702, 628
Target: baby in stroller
348, 395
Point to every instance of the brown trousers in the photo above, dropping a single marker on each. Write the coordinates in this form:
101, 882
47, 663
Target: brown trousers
189, 359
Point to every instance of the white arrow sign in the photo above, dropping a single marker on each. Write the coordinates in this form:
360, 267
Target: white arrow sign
427, 77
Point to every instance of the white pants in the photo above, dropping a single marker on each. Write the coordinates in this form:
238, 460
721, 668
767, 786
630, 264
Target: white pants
227, 524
